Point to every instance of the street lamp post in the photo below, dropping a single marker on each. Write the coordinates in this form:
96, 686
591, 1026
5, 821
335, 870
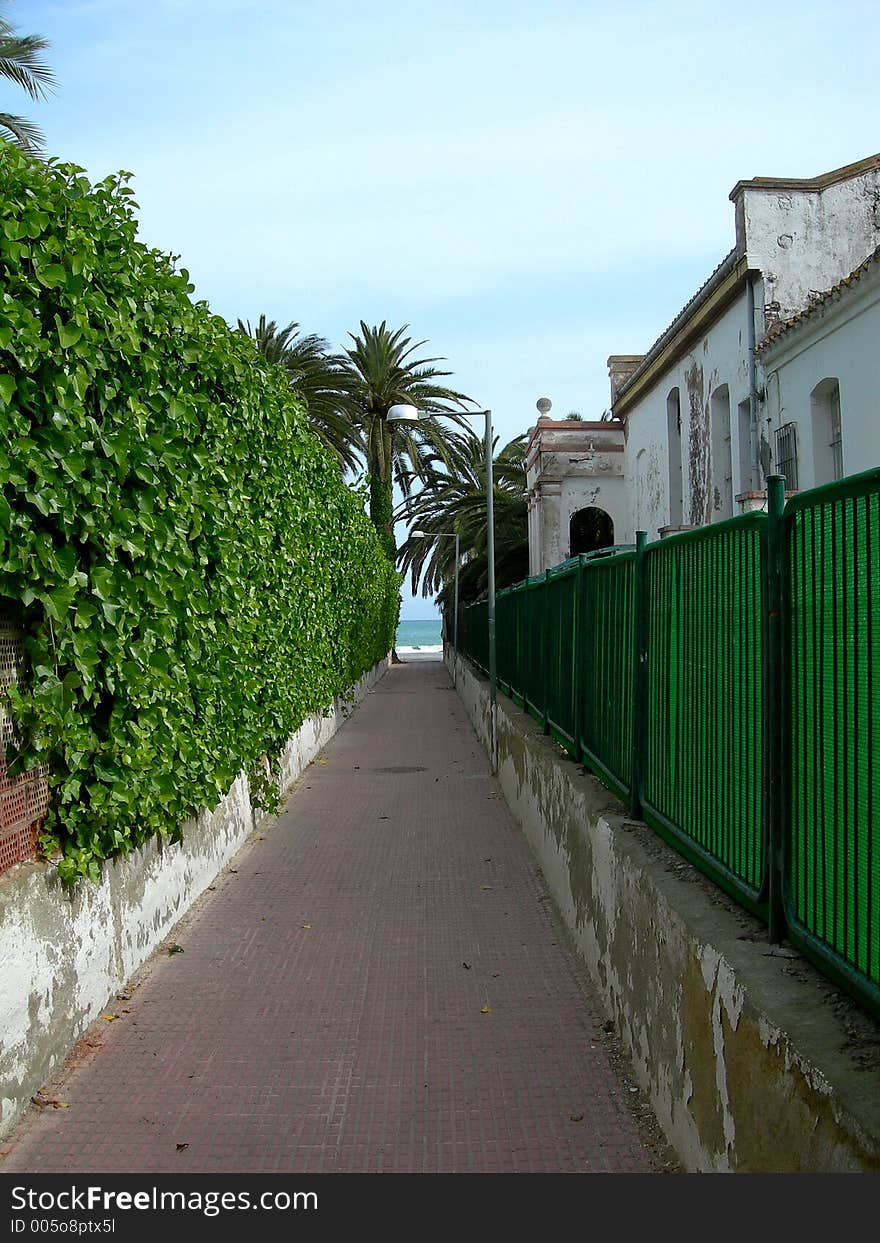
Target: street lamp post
404, 413
453, 535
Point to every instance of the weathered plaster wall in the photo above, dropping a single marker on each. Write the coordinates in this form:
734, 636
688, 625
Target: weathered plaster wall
838, 340
570, 466
719, 358
751, 1060
64, 953
805, 241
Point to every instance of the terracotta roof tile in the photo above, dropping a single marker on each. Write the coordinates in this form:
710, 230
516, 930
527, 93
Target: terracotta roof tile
819, 300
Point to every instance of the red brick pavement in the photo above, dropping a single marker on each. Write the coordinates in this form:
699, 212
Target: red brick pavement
377, 983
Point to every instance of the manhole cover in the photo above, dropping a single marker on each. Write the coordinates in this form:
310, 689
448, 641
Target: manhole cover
400, 770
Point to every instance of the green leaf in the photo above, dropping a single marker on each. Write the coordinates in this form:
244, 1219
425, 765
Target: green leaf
7, 388
103, 582
51, 275
68, 335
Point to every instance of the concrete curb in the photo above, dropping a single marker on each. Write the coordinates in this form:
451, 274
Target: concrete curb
752, 1060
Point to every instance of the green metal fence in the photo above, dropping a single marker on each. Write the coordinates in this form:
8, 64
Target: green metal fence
560, 603
605, 652
726, 681
564, 652
702, 778
831, 882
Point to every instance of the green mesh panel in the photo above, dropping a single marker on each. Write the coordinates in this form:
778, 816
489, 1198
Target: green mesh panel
704, 761
605, 636
558, 641
833, 873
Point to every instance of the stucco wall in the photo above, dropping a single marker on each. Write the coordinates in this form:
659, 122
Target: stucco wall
838, 340
752, 1061
65, 952
719, 358
805, 241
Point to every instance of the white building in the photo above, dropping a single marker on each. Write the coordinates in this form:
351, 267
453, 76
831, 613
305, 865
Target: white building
821, 379
780, 335
577, 490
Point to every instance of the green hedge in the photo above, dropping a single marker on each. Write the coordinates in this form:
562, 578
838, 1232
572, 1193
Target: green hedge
196, 579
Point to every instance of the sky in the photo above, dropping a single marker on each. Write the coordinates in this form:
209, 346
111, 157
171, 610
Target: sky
530, 187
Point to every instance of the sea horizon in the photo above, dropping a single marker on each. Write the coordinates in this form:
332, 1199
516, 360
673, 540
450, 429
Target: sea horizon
419, 635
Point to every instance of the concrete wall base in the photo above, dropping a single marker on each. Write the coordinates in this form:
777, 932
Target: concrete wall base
752, 1060
64, 952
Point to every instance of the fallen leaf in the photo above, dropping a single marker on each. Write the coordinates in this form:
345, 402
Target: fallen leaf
180, 1147
307, 925
485, 887
109, 1017
175, 949
466, 965
486, 1010
576, 1117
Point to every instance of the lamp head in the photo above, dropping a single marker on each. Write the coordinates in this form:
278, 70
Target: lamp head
402, 413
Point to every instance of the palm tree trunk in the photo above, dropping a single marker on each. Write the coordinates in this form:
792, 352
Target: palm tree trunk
381, 494
382, 502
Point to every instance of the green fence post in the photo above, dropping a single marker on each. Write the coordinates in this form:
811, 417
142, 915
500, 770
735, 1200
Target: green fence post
640, 679
576, 659
774, 784
545, 707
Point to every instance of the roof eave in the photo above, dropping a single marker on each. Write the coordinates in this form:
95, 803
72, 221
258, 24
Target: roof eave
706, 306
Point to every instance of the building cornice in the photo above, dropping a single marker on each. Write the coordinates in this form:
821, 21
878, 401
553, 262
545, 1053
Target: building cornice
566, 425
807, 185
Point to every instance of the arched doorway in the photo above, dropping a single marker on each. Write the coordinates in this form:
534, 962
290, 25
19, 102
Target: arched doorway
589, 530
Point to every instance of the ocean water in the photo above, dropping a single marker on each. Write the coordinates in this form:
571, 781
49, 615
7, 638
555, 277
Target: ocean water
419, 636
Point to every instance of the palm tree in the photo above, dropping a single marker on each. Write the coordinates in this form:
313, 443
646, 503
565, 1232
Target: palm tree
379, 371
315, 377
20, 63
453, 499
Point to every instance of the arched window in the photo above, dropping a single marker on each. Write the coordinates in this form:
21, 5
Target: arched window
589, 530
721, 505
673, 439
827, 437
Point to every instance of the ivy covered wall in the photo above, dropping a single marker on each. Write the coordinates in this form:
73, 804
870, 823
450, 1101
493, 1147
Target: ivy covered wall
195, 578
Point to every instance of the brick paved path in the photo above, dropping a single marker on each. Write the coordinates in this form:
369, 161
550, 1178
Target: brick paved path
376, 984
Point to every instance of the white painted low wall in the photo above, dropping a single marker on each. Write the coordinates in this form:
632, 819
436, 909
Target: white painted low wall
65, 952
753, 1062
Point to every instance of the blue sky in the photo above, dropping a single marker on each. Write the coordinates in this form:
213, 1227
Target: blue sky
530, 187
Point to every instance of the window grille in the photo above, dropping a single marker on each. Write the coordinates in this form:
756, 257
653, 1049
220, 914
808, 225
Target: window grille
836, 435
786, 455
